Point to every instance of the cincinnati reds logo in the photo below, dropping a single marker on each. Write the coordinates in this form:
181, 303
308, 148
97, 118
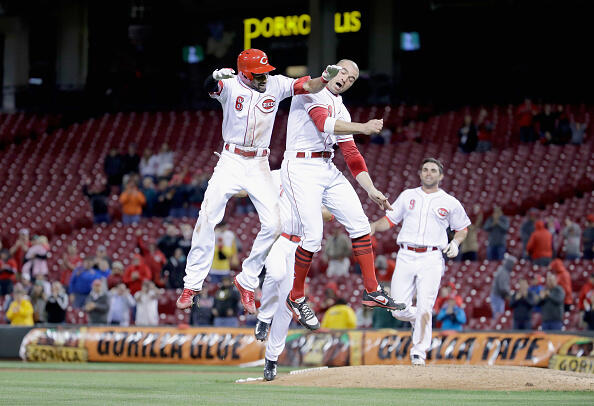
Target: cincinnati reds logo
411, 205
264, 60
268, 104
442, 212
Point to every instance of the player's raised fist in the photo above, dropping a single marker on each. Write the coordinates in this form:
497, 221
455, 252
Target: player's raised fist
373, 127
330, 72
225, 73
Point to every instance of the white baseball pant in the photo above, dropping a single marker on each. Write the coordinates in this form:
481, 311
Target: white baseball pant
313, 182
420, 273
275, 289
232, 174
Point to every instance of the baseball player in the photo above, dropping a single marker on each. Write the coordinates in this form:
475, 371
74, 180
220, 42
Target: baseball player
310, 179
426, 212
250, 102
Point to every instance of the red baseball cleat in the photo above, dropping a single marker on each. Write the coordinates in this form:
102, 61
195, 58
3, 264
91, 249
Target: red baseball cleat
186, 299
247, 297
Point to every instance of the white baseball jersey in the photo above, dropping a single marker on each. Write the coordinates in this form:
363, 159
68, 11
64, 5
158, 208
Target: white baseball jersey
302, 133
289, 222
426, 216
248, 115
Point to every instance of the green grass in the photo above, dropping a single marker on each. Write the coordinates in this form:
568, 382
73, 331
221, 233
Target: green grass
157, 384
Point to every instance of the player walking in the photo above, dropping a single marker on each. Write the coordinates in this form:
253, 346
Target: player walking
250, 102
426, 212
310, 179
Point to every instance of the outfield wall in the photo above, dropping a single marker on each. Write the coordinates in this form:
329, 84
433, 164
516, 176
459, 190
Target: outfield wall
237, 346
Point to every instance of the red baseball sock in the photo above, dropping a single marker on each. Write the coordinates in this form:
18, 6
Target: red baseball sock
302, 264
363, 254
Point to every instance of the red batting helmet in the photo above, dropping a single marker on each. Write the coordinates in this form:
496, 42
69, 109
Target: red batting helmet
253, 61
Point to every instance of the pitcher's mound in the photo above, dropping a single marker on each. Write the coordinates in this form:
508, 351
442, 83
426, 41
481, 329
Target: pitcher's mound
462, 377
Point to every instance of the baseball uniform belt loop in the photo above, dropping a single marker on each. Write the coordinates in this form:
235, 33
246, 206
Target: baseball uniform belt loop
293, 238
260, 152
418, 249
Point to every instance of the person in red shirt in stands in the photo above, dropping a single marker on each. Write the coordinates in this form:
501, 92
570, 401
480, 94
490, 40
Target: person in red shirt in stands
116, 276
525, 119
586, 302
563, 280
152, 257
540, 245
135, 274
8, 271
20, 248
70, 260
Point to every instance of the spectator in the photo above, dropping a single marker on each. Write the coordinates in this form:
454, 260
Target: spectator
136, 273
97, 304
152, 257
179, 197
99, 199
101, 254
536, 286
467, 135
338, 250
572, 234
384, 268
562, 133
540, 245
564, 280
588, 238
554, 227
522, 303
470, 246
225, 253
551, 304
81, 282
57, 302
150, 195
132, 201
243, 206
36, 259
121, 303
201, 313
547, 124
225, 305
525, 118
164, 196
500, 289
586, 302
451, 316
8, 272
527, 228
130, 160
484, 132
147, 305
578, 133
496, 226
175, 270
70, 260
116, 276
365, 317
185, 241
340, 316
445, 293
170, 241
149, 164
38, 300
20, 248
113, 168
196, 191
165, 162
20, 311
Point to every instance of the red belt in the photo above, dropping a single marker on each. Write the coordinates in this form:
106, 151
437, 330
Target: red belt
293, 238
244, 153
320, 154
418, 249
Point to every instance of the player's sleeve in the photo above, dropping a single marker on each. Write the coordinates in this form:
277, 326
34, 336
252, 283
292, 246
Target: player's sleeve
221, 90
458, 218
395, 216
353, 157
344, 115
290, 87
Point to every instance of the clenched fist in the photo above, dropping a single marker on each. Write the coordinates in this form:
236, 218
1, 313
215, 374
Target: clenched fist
330, 72
373, 127
451, 250
225, 73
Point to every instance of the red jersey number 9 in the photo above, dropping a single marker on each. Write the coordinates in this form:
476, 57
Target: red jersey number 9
239, 103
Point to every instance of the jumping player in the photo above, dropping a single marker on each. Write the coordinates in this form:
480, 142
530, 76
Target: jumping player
310, 179
250, 102
426, 212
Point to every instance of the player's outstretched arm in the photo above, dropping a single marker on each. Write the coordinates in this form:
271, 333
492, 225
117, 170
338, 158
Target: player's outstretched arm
380, 225
378, 197
211, 84
317, 84
340, 127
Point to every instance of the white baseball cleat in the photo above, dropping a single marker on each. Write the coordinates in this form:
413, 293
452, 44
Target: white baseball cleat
417, 361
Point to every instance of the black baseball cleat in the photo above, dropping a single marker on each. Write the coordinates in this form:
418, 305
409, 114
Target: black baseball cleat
303, 313
380, 298
261, 330
269, 370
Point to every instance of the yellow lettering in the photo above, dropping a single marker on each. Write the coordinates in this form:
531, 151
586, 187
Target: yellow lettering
291, 25
304, 24
279, 27
338, 27
355, 21
267, 27
248, 34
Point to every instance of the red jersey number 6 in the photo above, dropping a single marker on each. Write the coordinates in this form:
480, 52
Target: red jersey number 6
239, 103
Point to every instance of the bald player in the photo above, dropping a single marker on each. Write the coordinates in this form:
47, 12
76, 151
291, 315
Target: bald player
316, 124
425, 212
250, 102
